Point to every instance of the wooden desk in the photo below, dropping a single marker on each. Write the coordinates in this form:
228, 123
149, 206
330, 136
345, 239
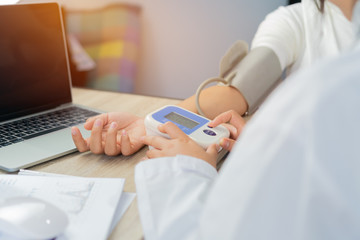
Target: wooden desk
91, 165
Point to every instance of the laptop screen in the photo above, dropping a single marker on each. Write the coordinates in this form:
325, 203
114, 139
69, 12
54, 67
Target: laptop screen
34, 72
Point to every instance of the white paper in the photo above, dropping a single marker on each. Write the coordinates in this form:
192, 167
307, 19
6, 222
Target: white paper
124, 202
90, 203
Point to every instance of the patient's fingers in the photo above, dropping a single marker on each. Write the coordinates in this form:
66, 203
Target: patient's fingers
90, 121
96, 137
112, 148
128, 146
80, 143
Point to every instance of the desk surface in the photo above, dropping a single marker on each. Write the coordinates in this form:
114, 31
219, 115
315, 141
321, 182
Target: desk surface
91, 165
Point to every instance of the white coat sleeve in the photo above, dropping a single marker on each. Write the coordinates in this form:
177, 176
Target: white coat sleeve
171, 194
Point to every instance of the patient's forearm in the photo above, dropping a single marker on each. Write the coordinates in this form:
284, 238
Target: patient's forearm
217, 99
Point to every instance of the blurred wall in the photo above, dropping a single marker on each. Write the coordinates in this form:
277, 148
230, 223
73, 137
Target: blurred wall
183, 41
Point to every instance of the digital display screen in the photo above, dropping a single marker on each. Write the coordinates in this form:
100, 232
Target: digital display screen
177, 118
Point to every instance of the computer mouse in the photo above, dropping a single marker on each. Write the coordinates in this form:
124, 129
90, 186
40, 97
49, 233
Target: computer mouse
31, 218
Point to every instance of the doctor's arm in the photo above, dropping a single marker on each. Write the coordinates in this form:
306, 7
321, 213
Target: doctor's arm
171, 193
172, 187
179, 143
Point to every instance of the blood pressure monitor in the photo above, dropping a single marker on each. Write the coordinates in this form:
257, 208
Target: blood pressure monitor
195, 126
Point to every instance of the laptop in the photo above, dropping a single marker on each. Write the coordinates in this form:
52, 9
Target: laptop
36, 109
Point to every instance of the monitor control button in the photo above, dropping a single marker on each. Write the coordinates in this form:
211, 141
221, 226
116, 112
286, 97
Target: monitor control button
209, 132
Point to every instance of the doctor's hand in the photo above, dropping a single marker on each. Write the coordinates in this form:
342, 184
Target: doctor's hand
179, 143
233, 122
111, 133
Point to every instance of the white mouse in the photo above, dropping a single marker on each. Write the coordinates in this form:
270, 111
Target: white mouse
31, 218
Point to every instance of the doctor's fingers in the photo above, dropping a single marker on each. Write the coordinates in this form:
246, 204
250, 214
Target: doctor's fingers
155, 153
212, 152
172, 130
228, 117
112, 147
213, 149
80, 143
155, 141
234, 132
227, 143
222, 118
233, 119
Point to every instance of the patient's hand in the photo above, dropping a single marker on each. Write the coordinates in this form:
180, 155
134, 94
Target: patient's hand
111, 133
179, 143
233, 122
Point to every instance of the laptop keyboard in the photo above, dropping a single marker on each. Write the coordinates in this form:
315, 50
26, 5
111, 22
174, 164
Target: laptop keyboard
31, 127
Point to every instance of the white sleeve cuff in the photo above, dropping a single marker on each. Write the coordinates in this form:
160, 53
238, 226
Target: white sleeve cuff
184, 163
171, 192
